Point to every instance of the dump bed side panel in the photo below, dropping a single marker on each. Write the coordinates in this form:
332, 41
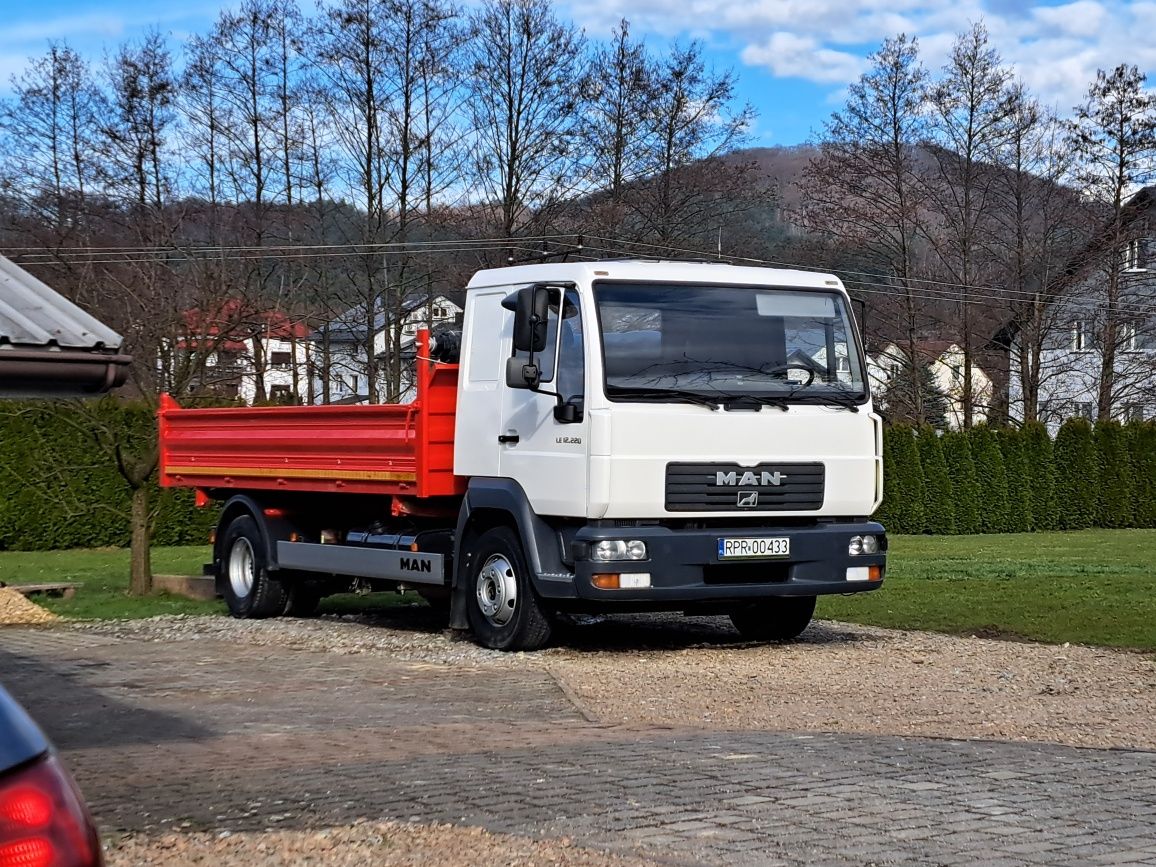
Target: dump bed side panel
403, 449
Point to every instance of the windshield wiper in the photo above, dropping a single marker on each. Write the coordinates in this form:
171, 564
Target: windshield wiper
664, 395
843, 399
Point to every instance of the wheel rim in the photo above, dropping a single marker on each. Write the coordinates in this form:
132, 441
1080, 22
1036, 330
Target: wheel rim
497, 590
241, 568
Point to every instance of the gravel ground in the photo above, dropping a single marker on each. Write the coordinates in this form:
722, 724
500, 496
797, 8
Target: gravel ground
845, 678
16, 610
694, 672
389, 844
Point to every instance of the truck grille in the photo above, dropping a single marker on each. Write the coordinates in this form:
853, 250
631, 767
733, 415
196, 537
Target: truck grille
734, 488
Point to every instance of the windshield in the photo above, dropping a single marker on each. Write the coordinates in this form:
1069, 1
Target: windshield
727, 342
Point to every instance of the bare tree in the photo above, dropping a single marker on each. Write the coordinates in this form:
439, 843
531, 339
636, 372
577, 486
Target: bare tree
527, 72
971, 110
692, 125
864, 189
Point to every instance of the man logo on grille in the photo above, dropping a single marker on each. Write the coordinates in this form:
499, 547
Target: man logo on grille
764, 478
748, 499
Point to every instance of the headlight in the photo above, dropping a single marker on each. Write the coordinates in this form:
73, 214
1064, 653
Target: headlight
867, 544
616, 549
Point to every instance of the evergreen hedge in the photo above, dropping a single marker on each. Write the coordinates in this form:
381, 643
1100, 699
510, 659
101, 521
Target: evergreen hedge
61, 489
1039, 464
1114, 507
961, 468
1019, 492
991, 480
938, 492
1077, 475
902, 507
1142, 453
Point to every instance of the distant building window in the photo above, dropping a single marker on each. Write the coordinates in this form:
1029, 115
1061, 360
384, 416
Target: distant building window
1133, 412
281, 360
440, 312
1134, 256
1081, 335
1128, 337
1084, 409
279, 392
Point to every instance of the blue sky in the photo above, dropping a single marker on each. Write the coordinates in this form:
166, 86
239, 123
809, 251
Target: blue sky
793, 58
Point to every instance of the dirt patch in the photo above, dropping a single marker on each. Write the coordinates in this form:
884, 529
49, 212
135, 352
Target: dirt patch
845, 678
16, 610
389, 844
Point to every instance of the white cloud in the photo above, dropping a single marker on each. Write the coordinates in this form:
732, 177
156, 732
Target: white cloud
1054, 48
788, 55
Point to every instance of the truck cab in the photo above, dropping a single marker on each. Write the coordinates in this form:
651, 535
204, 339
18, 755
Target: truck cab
670, 435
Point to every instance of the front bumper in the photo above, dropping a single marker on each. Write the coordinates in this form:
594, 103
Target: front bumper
684, 565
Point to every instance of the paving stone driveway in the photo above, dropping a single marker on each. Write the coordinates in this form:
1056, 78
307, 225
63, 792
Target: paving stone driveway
212, 735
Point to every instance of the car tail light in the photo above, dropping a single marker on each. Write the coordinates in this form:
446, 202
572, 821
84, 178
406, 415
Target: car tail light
43, 821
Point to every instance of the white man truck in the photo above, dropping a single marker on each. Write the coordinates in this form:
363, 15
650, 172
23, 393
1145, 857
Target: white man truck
601, 437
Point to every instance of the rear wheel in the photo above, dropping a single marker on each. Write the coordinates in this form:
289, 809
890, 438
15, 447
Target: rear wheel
780, 619
503, 610
249, 590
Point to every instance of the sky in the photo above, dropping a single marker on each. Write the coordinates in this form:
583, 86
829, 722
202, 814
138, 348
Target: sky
793, 58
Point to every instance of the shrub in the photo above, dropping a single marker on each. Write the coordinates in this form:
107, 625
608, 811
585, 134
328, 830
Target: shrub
63, 490
938, 494
1041, 475
1142, 451
1077, 475
991, 480
1114, 506
902, 507
1019, 492
961, 468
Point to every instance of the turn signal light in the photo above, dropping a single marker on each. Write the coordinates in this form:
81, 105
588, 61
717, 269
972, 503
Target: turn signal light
621, 581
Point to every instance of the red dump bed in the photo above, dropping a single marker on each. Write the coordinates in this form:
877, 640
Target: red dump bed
403, 449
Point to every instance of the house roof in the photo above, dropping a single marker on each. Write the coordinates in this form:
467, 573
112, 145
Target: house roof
48, 345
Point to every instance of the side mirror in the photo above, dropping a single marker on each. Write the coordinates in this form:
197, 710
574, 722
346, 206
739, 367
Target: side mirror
520, 374
531, 314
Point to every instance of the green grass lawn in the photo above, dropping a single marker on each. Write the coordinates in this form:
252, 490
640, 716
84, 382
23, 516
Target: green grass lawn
1091, 587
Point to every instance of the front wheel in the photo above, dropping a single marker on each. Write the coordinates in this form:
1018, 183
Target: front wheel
503, 609
780, 619
249, 590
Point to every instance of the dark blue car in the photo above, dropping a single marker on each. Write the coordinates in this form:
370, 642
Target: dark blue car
43, 819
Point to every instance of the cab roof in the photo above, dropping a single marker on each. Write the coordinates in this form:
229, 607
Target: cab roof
657, 271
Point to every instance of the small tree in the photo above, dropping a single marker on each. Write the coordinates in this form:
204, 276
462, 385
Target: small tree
1019, 488
991, 479
1115, 487
1040, 470
1077, 475
938, 492
961, 468
914, 397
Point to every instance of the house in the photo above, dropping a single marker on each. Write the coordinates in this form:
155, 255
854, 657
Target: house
49, 346
1071, 349
238, 352
341, 368
944, 360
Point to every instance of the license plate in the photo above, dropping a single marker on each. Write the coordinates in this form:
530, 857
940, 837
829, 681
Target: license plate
734, 549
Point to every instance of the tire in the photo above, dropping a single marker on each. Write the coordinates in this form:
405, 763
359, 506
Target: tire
781, 619
303, 599
249, 591
503, 610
